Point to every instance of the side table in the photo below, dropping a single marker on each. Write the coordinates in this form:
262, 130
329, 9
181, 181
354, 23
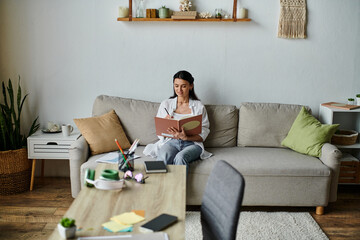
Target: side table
48, 146
348, 119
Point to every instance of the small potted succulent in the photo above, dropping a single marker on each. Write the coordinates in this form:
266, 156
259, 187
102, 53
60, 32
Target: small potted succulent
67, 228
358, 99
163, 12
351, 101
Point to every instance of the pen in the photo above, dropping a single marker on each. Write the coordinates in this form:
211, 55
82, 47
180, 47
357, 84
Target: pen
117, 143
167, 112
133, 146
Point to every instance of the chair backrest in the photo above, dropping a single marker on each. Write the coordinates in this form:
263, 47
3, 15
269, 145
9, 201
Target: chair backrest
220, 208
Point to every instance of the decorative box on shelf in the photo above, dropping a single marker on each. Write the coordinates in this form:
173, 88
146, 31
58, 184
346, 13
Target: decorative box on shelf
349, 169
184, 15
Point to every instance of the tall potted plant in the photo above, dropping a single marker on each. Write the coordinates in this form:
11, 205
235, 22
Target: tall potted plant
14, 164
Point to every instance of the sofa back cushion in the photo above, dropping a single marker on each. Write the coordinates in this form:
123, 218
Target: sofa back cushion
223, 125
265, 124
136, 116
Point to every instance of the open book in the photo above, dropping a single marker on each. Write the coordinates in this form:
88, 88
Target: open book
192, 125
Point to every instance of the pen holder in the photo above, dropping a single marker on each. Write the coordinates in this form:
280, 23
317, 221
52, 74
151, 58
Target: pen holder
126, 165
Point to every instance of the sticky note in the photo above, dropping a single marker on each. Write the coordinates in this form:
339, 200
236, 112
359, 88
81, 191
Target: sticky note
139, 212
128, 218
114, 226
129, 229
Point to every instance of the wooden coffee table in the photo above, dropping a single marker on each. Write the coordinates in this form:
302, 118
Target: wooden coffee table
162, 193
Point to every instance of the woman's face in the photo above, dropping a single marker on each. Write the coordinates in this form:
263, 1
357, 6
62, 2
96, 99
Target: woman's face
182, 87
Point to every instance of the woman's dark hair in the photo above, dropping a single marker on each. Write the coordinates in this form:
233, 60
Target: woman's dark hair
185, 75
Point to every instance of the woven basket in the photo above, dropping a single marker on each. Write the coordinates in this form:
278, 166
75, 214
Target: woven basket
15, 170
344, 137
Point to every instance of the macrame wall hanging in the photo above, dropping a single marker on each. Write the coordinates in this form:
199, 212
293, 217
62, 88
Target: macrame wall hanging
292, 22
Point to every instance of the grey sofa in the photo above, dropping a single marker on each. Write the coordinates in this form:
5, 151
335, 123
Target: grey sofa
248, 137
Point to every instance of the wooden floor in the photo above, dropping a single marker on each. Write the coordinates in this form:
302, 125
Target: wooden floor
34, 215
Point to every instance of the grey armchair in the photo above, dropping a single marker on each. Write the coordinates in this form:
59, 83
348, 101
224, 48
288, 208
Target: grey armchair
221, 202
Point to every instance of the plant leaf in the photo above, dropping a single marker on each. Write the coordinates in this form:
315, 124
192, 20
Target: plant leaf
10, 113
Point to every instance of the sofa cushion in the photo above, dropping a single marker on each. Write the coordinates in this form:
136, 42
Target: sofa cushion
100, 132
307, 135
273, 176
260, 161
136, 116
223, 125
265, 124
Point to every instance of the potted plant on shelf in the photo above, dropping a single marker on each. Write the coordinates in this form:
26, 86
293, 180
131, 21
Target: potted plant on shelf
351, 101
163, 12
67, 227
358, 99
14, 164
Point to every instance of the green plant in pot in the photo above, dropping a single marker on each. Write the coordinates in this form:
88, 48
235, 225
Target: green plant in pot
351, 101
67, 227
14, 164
164, 12
357, 99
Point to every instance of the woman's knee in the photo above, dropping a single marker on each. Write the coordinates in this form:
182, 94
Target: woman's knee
166, 153
179, 161
182, 159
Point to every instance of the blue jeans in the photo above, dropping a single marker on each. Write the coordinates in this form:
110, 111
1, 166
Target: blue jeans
179, 152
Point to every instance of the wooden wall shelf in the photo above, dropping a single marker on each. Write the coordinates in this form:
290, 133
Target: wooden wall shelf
183, 20
233, 19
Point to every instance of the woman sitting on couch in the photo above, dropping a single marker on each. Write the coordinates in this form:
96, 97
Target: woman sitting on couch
182, 149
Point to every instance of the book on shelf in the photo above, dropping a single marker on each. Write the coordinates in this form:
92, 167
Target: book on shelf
340, 105
192, 125
183, 17
155, 167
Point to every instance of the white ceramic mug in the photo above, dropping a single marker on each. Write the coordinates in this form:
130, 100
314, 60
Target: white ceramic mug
66, 129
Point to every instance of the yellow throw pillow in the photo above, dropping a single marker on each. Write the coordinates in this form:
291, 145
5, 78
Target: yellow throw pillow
100, 132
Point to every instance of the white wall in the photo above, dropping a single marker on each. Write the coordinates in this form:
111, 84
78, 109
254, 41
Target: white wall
69, 51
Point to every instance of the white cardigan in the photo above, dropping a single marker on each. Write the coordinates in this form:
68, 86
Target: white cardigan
197, 108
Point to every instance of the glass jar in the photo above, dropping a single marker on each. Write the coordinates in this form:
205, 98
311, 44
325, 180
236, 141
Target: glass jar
140, 10
218, 13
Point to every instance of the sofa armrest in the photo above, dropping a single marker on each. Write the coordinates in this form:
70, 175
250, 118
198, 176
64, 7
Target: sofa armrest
78, 154
330, 156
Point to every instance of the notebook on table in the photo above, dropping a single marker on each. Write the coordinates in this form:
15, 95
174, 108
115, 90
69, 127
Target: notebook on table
155, 167
159, 223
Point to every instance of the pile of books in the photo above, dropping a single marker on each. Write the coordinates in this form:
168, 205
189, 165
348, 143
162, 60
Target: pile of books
184, 15
151, 13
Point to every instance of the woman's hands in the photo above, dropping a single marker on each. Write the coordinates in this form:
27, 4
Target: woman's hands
178, 134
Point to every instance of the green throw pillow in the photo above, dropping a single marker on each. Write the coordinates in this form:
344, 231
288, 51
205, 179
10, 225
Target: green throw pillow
307, 135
